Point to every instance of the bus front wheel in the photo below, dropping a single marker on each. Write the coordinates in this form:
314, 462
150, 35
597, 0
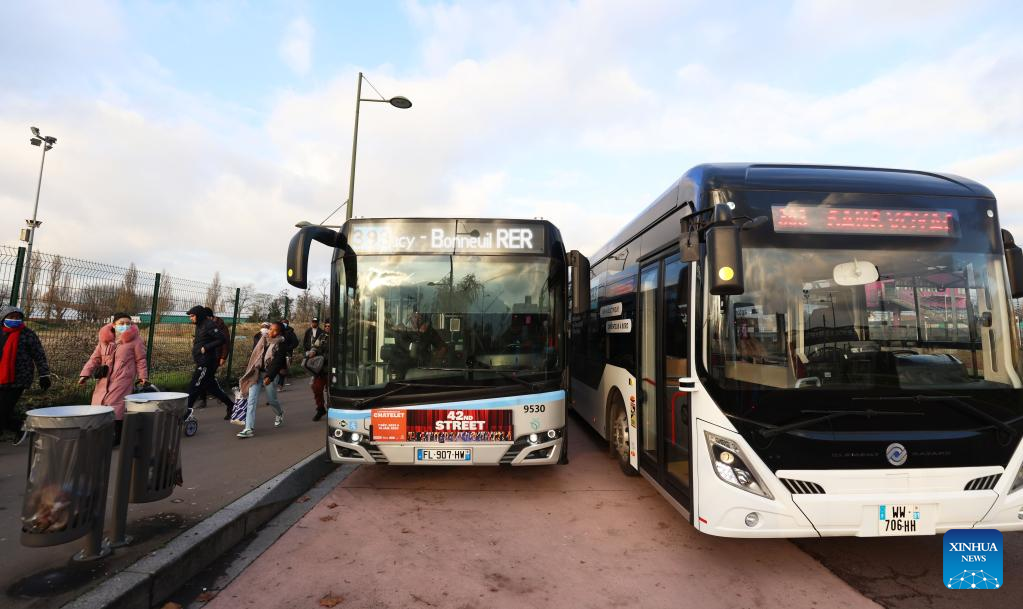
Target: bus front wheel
619, 438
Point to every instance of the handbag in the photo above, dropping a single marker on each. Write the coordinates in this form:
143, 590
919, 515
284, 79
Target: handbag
101, 372
314, 364
239, 411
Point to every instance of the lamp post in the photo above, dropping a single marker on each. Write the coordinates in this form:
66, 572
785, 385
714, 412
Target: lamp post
402, 103
46, 142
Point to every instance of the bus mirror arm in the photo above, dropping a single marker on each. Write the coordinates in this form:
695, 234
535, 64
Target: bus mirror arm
298, 251
1013, 264
580, 282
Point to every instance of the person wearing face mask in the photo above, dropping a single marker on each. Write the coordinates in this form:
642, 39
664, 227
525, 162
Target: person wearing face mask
264, 328
118, 363
21, 355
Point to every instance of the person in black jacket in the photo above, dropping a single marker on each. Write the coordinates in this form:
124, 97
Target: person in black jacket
290, 342
311, 334
206, 355
21, 356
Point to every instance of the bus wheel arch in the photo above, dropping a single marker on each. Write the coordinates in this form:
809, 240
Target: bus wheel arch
617, 426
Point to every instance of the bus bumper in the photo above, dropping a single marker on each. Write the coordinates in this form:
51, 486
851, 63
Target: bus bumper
826, 503
520, 453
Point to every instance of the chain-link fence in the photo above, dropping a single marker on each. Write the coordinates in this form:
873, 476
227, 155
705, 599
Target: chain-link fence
68, 300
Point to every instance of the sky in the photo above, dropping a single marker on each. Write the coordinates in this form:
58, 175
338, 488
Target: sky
192, 136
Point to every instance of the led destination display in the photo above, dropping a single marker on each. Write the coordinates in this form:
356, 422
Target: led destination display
447, 236
865, 221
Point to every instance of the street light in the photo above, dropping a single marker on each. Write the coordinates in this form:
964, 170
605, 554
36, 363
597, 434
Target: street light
46, 142
402, 103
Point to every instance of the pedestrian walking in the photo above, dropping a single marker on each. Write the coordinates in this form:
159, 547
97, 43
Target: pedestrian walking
21, 357
117, 362
205, 354
317, 362
264, 364
222, 354
290, 342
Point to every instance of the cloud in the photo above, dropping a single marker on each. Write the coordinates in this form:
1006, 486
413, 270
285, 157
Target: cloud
296, 48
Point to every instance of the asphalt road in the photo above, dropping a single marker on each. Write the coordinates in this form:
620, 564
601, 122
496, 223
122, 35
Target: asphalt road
581, 535
218, 468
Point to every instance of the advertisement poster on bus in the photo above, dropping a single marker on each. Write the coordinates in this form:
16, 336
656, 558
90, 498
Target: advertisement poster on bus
442, 425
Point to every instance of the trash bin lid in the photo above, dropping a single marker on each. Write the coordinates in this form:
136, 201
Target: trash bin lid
156, 401
68, 417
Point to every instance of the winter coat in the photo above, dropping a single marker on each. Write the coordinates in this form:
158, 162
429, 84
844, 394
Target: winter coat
209, 337
126, 358
265, 361
308, 338
290, 340
29, 358
226, 347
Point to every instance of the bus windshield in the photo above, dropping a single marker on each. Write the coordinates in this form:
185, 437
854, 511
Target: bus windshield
451, 320
860, 319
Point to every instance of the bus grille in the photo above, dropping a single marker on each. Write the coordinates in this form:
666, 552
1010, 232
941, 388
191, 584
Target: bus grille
802, 487
982, 484
377, 455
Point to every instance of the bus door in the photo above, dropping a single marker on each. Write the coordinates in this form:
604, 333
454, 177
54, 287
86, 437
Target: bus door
664, 421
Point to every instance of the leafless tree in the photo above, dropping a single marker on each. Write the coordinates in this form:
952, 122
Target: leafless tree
213, 295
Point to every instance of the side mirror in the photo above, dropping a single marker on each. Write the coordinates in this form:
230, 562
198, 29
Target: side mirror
724, 261
580, 282
298, 251
1013, 264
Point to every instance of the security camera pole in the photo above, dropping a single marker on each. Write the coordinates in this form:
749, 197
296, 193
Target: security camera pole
402, 103
46, 142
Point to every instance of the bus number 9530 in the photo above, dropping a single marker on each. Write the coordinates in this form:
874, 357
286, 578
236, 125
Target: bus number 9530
534, 408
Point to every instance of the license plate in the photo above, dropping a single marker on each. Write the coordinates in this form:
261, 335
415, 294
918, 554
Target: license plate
900, 519
455, 455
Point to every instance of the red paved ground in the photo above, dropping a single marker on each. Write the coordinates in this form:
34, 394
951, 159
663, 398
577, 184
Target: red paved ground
581, 535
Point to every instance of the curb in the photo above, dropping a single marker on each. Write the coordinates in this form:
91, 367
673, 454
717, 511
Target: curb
153, 578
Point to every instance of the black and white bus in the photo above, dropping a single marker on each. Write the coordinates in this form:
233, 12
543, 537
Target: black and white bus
448, 340
789, 351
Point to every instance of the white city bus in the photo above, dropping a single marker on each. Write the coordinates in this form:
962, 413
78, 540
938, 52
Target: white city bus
791, 351
448, 340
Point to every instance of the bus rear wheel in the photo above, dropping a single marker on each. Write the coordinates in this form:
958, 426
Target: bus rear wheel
619, 438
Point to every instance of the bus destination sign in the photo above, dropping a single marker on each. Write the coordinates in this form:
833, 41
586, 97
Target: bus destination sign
446, 237
865, 221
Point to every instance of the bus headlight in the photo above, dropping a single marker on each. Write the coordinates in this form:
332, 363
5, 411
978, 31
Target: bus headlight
731, 468
1017, 484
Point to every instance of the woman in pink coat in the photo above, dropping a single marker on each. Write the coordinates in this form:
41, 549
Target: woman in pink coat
123, 353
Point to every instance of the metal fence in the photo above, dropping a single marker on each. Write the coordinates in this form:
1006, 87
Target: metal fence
68, 300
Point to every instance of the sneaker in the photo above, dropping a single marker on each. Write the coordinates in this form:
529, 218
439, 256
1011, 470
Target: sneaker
279, 420
201, 404
246, 433
237, 422
319, 415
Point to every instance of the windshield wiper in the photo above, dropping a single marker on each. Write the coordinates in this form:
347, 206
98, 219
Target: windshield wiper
828, 415
400, 386
957, 401
500, 373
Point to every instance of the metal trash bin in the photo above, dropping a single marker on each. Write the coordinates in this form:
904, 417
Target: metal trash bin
157, 447
68, 476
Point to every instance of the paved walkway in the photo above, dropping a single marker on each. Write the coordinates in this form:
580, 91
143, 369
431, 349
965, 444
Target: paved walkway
218, 468
580, 535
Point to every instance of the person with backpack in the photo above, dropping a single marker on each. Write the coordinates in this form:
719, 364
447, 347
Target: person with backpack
206, 355
21, 356
224, 351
